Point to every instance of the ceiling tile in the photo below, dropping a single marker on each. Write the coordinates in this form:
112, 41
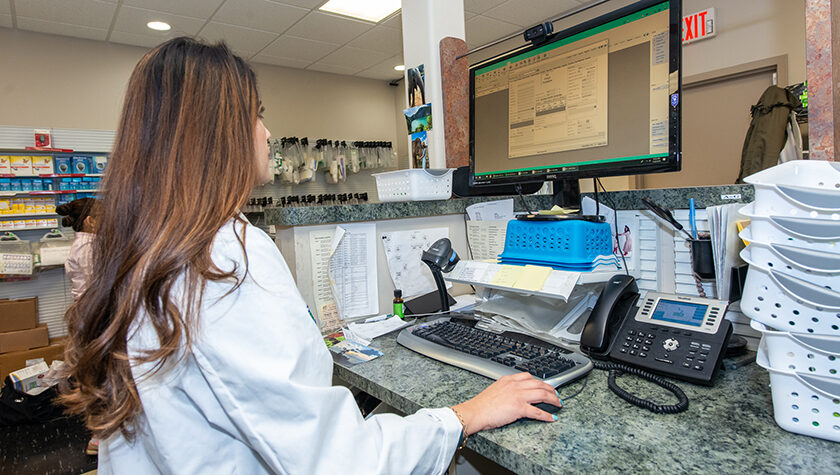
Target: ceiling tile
191, 8
481, 6
356, 58
380, 38
259, 14
468, 15
65, 29
481, 30
146, 40
133, 20
331, 69
5, 20
310, 4
288, 62
299, 49
243, 41
89, 13
538, 11
384, 70
331, 29
393, 22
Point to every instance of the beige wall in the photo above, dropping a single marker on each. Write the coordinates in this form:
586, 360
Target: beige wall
55, 81
749, 30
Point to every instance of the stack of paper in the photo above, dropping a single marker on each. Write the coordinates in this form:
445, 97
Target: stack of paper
726, 246
534, 279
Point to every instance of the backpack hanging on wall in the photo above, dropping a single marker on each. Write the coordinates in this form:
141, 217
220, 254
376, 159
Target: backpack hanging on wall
766, 135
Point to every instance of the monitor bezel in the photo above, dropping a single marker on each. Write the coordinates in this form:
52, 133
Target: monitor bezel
674, 160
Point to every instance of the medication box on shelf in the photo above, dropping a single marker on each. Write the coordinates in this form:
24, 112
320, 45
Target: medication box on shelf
21, 165
5, 165
63, 164
81, 164
5, 184
42, 165
99, 163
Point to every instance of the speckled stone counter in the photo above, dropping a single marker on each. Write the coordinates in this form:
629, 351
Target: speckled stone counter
728, 428
671, 197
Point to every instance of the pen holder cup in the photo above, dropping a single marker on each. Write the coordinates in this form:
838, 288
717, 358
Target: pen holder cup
702, 261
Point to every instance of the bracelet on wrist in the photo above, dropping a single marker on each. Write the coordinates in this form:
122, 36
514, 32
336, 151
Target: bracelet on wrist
464, 432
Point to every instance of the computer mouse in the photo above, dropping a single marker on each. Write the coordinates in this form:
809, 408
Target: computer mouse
549, 408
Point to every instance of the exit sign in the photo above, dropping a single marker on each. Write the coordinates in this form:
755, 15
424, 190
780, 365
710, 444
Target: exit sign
699, 26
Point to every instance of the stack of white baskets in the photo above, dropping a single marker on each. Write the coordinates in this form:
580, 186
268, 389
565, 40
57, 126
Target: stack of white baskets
792, 293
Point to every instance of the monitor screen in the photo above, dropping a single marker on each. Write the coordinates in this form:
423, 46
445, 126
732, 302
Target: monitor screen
679, 312
599, 99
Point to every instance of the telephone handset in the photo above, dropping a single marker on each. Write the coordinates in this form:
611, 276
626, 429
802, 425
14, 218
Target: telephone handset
613, 305
678, 336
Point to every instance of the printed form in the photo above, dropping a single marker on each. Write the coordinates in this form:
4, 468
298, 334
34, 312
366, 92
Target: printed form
559, 103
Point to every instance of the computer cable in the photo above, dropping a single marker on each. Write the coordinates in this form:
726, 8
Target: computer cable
617, 369
518, 189
615, 223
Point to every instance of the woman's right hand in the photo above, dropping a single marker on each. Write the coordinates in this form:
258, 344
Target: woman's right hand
507, 400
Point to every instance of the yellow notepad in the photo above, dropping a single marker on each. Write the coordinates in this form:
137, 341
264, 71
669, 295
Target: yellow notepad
532, 278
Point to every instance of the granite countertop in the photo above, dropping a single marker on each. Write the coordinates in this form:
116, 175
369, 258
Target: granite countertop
623, 200
728, 428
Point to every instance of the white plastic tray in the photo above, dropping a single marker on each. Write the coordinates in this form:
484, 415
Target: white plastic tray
803, 403
801, 257
803, 352
788, 303
820, 234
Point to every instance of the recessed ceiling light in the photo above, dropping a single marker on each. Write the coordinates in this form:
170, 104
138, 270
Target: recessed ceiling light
370, 10
399, 67
159, 25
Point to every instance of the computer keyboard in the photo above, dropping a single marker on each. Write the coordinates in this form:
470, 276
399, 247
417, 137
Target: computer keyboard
458, 342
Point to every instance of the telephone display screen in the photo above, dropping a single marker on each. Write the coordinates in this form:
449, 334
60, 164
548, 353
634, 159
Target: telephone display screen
679, 312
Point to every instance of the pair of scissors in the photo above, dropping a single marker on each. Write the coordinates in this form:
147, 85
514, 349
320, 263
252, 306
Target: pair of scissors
666, 215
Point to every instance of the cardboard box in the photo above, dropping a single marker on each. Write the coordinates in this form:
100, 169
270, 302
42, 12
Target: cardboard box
17, 359
23, 340
21, 314
5, 165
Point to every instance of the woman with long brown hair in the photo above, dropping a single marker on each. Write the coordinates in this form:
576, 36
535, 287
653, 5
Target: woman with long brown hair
191, 349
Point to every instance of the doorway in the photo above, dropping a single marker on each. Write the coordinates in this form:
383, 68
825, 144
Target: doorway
715, 119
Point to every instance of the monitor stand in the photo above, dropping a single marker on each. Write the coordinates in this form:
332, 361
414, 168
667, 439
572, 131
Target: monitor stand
567, 193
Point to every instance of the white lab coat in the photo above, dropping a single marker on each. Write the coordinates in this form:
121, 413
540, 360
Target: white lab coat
78, 263
254, 395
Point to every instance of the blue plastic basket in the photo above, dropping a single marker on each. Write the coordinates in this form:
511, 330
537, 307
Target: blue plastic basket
568, 243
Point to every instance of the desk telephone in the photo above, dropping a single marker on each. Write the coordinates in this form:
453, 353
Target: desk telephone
673, 335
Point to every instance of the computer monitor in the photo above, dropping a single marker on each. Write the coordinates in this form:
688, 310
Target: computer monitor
599, 99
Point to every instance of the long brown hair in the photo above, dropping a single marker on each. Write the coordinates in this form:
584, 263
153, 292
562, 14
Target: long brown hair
183, 165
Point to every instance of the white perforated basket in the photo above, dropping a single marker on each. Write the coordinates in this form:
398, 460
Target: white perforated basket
788, 303
802, 352
817, 234
803, 403
800, 188
415, 184
804, 259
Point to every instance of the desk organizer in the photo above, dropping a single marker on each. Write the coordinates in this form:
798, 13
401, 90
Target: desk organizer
569, 243
792, 291
416, 184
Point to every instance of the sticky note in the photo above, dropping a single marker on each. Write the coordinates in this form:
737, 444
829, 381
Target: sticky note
507, 276
532, 278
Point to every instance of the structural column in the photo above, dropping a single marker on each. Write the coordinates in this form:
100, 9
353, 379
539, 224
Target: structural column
425, 23
822, 49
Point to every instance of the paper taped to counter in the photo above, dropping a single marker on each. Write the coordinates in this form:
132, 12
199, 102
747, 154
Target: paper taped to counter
403, 250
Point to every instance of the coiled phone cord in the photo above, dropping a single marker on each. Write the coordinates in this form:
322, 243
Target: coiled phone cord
616, 369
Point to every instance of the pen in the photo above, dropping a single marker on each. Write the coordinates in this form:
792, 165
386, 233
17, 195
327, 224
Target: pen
691, 218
